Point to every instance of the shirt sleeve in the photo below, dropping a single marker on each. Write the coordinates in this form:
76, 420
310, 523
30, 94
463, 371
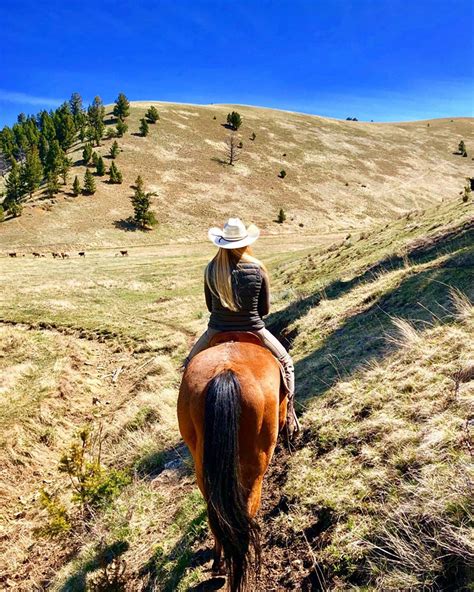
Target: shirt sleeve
264, 296
208, 295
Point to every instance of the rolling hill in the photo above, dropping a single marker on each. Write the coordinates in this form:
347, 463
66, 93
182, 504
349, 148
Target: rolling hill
341, 175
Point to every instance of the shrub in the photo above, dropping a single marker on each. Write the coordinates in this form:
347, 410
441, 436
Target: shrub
93, 485
76, 187
87, 153
144, 128
234, 120
100, 167
110, 133
89, 183
15, 209
461, 147
282, 174
58, 519
52, 184
95, 158
114, 150
281, 216
2, 214
121, 128
115, 174
152, 114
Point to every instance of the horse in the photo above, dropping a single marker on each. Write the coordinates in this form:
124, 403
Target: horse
231, 408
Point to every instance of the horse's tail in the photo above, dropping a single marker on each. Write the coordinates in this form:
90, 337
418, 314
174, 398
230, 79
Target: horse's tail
227, 510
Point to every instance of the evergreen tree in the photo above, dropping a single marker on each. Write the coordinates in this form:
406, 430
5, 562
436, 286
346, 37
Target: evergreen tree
281, 216
65, 126
2, 214
152, 114
81, 125
144, 128
141, 202
15, 189
114, 150
234, 120
95, 158
89, 183
462, 147
75, 103
96, 113
122, 107
15, 209
139, 185
87, 154
43, 149
76, 187
7, 142
54, 158
115, 174
100, 167
21, 118
32, 171
121, 128
47, 126
52, 184
64, 168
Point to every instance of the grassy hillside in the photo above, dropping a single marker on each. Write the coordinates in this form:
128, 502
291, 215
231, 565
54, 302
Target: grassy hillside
341, 175
376, 494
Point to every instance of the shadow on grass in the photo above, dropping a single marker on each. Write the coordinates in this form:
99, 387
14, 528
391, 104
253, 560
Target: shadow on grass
167, 569
422, 298
421, 251
77, 582
126, 224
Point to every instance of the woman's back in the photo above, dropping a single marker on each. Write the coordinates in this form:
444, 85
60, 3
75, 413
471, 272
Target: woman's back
251, 294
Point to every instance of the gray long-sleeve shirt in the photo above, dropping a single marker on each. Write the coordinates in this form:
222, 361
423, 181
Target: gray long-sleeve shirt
251, 288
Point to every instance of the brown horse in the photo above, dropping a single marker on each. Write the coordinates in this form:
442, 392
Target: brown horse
231, 408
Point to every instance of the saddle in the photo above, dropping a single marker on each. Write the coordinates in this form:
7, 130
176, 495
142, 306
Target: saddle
247, 337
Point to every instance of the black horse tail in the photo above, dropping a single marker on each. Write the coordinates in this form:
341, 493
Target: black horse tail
227, 510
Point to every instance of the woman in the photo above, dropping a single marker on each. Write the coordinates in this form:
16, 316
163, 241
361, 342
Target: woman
237, 292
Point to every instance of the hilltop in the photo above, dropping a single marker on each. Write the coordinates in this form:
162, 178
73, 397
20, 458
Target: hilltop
340, 176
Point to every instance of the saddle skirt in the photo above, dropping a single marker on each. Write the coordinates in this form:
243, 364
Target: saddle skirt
247, 337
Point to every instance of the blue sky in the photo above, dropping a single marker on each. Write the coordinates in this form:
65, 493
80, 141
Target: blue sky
386, 60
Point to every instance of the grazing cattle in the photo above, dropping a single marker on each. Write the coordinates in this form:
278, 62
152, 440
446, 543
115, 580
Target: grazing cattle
124, 253
82, 253
55, 255
12, 254
65, 255
36, 255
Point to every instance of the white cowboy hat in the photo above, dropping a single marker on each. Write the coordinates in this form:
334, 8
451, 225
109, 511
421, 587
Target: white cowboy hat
234, 235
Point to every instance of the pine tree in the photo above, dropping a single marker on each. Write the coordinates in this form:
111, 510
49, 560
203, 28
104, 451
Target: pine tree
81, 125
139, 185
234, 120
122, 107
114, 150
121, 128
64, 168
462, 147
15, 189
2, 214
96, 113
152, 114
89, 183
281, 216
52, 184
75, 103
95, 158
7, 142
100, 167
54, 158
144, 128
76, 187
43, 149
115, 174
141, 202
87, 154
32, 171
65, 126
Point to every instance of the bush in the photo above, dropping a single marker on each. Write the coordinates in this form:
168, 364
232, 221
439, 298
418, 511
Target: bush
76, 187
281, 216
89, 183
94, 486
144, 128
282, 174
234, 120
114, 150
100, 167
152, 114
87, 153
115, 174
58, 519
121, 128
110, 133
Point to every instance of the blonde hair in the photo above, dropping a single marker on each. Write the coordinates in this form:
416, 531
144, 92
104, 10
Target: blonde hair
218, 273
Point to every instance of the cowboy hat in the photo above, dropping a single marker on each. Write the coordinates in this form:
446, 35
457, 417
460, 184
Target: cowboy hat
234, 235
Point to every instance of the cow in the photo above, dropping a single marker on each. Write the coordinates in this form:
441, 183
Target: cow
55, 255
82, 253
65, 255
124, 253
12, 254
36, 254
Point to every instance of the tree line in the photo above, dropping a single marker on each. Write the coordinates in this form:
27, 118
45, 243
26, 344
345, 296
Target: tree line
34, 150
